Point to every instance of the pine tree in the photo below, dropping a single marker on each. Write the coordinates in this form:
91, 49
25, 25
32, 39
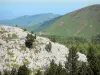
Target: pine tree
52, 69
59, 69
85, 69
71, 64
93, 60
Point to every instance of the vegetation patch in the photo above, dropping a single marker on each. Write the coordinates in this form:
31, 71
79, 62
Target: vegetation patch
29, 40
12, 36
10, 53
48, 47
26, 62
15, 65
14, 60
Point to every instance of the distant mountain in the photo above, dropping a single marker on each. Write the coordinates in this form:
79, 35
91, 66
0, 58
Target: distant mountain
28, 20
6, 15
42, 26
82, 22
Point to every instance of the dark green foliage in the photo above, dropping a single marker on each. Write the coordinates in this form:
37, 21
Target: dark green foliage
55, 69
84, 69
52, 69
38, 72
48, 47
35, 36
25, 29
6, 72
13, 71
0, 73
53, 39
23, 70
94, 61
67, 40
71, 64
60, 70
29, 40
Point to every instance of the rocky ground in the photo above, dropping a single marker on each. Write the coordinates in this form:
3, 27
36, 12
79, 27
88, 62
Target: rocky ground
14, 53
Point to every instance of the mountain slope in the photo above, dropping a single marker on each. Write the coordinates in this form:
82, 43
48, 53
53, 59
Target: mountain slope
27, 20
42, 26
83, 22
14, 53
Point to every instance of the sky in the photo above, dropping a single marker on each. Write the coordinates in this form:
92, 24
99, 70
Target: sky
15, 8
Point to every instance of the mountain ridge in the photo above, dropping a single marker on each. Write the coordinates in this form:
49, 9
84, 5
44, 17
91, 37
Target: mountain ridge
82, 22
28, 20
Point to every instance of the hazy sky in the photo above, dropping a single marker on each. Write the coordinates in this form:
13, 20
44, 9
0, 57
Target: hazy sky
16, 8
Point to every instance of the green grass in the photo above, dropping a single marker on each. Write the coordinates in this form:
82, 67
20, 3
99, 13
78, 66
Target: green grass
83, 22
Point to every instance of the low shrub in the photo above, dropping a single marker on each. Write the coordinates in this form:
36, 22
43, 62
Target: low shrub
48, 47
29, 40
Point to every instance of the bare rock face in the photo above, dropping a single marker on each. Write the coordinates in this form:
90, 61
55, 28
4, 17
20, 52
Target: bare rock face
14, 53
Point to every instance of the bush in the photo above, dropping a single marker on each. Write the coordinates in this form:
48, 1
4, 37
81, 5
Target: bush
6, 72
38, 72
23, 70
53, 39
29, 40
48, 47
13, 71
25, 29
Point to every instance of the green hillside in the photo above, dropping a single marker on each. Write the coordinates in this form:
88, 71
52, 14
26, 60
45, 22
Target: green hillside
82, 22
28, 20
43, 26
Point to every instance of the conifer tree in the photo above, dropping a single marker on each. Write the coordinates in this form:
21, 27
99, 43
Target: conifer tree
52, 69
71, 64
93, 60
85, 69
